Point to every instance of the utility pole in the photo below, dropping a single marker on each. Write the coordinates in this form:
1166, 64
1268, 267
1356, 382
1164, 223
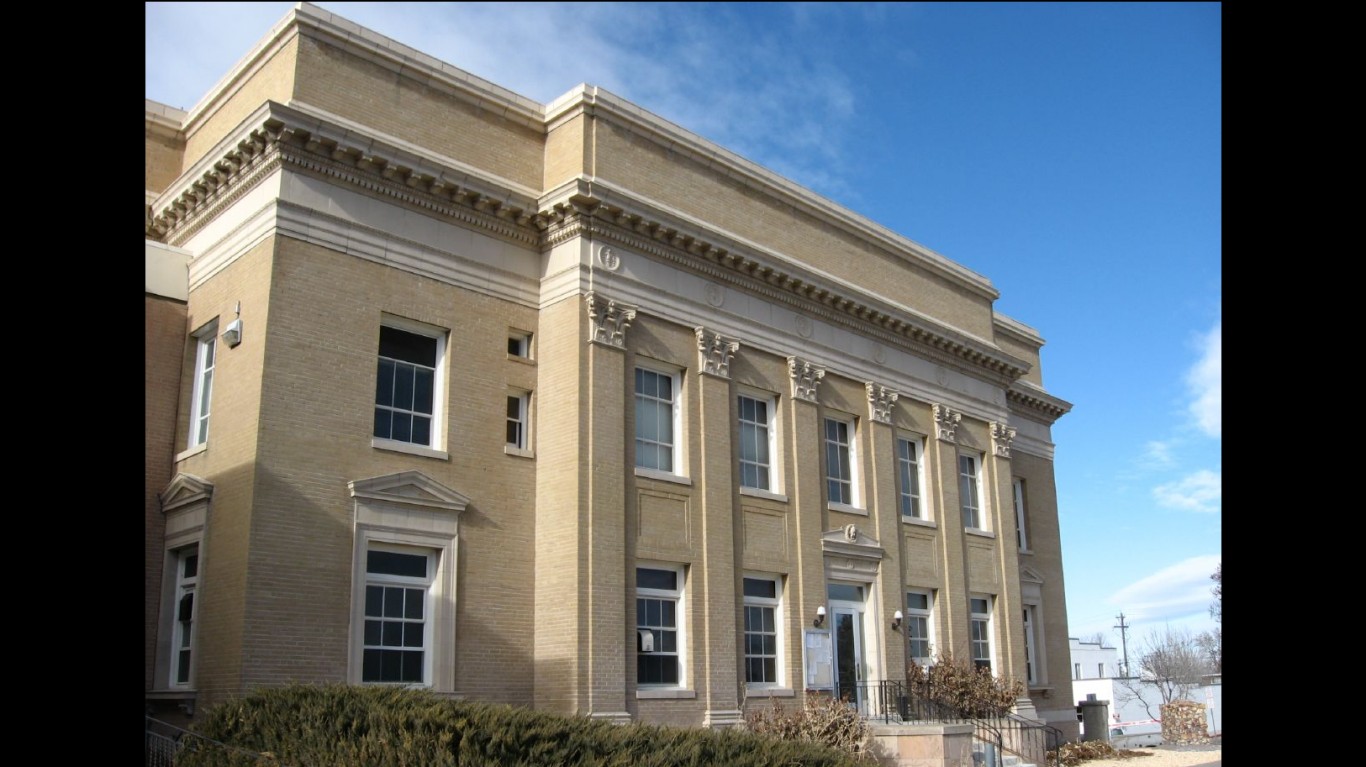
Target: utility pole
1124, 643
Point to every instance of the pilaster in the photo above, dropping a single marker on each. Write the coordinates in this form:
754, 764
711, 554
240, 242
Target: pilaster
718, 577
885, 523
1009, 605
808, 509
952, 604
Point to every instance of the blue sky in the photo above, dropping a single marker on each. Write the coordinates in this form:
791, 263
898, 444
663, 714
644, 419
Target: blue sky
1070, 152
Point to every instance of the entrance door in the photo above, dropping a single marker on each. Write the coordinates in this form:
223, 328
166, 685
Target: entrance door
846, 607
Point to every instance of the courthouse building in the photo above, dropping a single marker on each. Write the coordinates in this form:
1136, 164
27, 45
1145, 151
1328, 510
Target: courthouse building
564, 406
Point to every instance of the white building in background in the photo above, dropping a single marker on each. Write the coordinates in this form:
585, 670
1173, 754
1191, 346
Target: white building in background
1096, 670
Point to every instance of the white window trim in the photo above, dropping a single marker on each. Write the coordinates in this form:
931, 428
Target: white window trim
679, 595
1021, 533
425, 583
524, 340
409, 509
1031, 624
204, 337
437, 447
180, 585
918, 441
981, 514
854, 506
775, 478
928, 615
524, 416
676, 412
779, 660
990, 630
185, 502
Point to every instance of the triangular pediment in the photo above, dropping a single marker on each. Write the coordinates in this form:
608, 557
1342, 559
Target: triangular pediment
1030, 575
183, 490
412, 488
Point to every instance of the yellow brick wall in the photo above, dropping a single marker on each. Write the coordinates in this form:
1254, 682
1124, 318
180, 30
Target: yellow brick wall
161, 160
164, 333
644, 167
273, 81
424, 115
1027, 352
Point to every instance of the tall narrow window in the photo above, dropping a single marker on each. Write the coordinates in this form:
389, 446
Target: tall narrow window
406, 386
762, 595
908, 453
980, 635
1076, 671
840, 462
187, 583
970, 490
397, 629
517, 420
1031, 647
206, 347
1021, 537
919, 623
659, 595
656, 419
756, 442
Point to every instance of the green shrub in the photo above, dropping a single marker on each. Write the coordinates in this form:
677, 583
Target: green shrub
372, 726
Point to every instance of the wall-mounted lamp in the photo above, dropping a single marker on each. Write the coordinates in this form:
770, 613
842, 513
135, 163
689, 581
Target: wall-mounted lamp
820, 616
896, 621
232, 334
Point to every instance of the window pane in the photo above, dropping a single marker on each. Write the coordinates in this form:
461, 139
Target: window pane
409, 347
374, 601
423, 381
395, 563
403, 387
390, 666
412, 635
393, 602
651, 578
384, 427
392, 634
384, 383
373, 632
370, 670
412, 667
403, 427
422, 430
414, 603
761, 587
845, 591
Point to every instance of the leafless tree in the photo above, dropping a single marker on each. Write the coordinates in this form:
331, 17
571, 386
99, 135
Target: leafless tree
1098, 638
1169, 662
1216, 610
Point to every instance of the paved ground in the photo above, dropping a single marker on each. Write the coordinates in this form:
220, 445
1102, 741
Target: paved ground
1200, 755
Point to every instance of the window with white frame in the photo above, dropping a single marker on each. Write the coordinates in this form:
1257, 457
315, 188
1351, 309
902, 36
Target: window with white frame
762, 600
919, 624
517, 419
1076, 671
398, 630
1031, 646
1100, 670
659, 625
657, 420
206, 348
980, 634
1018, 495
408, 383
758, 442
187, 584
909, 451
840, 462
970, 490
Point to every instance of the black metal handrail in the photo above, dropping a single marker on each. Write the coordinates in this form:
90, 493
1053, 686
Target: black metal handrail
164, 742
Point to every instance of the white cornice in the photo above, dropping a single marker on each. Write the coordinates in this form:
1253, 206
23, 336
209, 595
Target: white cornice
1034, 402
1017, 330
163, 119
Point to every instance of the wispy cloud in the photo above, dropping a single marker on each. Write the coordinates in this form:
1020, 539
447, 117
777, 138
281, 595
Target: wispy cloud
1206, 382
1170, 594
1201, 491
1157, 454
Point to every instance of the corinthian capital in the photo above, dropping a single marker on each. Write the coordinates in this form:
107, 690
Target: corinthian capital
946, 420
805, 377
714, 352
880, 402
609, 321
1001, 437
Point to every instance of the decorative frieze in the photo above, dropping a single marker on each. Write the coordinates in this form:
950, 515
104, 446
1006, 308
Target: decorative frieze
880, 402
714, 352
1001, 437
609, 320
946, 421
805, 377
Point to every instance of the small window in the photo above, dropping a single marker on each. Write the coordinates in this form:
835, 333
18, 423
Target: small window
517, 413
758, 442
919, 623
519, 344
908, 457
206, 347
397, 630
970, 491
980, 635
407, 384
657, 420
1031, 646
659, 626
763, 622
1018, 494
187, 584
840, 462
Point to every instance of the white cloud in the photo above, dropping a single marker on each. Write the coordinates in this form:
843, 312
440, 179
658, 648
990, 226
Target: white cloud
1201, 491
1157, 455
1181, 591
1206, 382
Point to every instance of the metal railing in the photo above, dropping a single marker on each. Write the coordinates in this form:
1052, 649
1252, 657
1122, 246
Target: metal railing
890, 701
164, 744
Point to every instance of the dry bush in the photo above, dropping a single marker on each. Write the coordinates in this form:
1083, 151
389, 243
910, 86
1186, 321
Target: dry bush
822, 720
1076, 753
963, 687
